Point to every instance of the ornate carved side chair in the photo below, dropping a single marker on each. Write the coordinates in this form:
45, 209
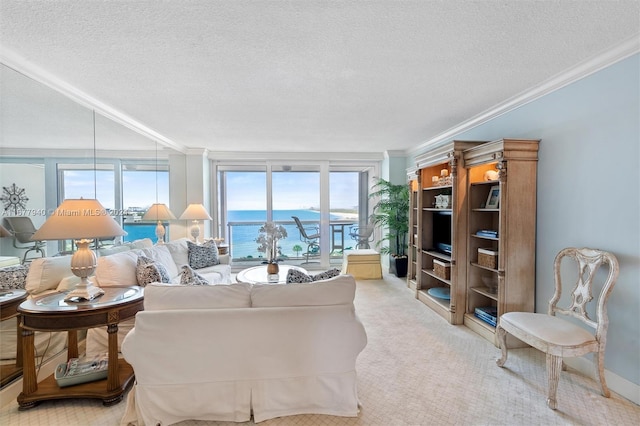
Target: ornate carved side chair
559, 337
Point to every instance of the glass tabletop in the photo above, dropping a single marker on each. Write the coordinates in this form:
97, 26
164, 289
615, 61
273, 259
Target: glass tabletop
259, 275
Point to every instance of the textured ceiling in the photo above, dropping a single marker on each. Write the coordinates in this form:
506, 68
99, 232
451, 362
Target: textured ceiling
337, 76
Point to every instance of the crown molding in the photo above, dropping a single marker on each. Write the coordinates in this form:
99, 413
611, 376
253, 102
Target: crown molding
625, 49
40, 75
300, 156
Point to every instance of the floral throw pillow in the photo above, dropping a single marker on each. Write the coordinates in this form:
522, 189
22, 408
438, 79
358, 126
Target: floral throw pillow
295, 276
190, 277
13, 277
149, 271
201, 256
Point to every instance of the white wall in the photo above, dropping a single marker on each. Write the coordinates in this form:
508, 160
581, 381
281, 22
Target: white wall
588, 189
30, 177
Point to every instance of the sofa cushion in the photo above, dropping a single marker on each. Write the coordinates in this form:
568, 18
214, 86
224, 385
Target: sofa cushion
14, 277
118, 269
296, 276
190, 277
162, 255
201, 256
149, 271
334, 291
45, 273
179, 251
168, 297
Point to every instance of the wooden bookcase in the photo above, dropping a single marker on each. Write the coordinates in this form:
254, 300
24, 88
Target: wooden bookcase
431, 223
513, 219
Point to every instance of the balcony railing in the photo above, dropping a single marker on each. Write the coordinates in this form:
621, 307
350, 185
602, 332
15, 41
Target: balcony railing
242, 239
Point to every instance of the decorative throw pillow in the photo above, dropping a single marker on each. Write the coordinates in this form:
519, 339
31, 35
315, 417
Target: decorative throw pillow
201, 256
190, 277
13, 277
295, 276
148, 271
326, 274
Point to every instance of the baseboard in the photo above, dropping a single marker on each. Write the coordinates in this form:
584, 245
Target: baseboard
617, 384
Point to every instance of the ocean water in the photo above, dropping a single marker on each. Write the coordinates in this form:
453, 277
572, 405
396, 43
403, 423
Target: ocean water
243, 235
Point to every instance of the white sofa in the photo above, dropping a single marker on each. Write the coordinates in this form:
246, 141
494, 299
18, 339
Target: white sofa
225, 352
119, 269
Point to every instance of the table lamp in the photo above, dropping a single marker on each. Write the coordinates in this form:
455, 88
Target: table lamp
81, 220
195, 212
159, 212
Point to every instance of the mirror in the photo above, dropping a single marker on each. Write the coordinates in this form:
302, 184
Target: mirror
41, 131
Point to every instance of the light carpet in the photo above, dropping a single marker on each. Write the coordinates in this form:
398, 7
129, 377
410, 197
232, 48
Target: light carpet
416, 370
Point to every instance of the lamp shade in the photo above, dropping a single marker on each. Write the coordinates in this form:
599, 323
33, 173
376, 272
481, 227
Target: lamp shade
158, 211
195, 212
78, 219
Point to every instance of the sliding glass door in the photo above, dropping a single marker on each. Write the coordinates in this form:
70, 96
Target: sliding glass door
328, 200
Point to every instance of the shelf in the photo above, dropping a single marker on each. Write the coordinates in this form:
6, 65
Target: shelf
437, 255
477, 265
431, 273
482, 237
485, 292
433, 209
431, 188
483, 210
485, 182
425, 297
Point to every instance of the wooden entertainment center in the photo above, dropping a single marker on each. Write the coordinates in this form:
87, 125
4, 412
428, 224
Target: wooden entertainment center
472, 255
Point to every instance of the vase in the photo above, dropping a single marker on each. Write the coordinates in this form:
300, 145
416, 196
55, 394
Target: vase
272, 268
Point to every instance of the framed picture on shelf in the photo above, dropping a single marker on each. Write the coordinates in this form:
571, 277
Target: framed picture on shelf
493, 200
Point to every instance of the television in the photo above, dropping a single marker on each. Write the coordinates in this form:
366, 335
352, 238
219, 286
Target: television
442, 232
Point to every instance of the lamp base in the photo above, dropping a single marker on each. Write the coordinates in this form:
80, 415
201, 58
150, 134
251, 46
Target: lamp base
195, 231
160, 233
84, 291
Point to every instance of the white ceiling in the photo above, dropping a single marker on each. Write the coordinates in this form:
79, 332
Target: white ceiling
305, 76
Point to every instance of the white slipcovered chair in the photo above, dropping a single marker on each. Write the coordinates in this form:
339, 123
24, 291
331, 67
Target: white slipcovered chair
558, 337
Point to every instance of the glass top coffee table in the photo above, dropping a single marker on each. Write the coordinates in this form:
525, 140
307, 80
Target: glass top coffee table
258, 275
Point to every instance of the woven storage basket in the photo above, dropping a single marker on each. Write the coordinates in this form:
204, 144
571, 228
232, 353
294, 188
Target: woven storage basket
442, 269
488, 258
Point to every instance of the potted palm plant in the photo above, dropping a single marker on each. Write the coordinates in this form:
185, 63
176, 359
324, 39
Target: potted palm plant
391, 214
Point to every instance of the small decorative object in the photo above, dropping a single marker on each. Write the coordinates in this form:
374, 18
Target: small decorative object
14, 199
273, 268
442, 269
491, 175
493, 200
443, 201
267, 241
488, 258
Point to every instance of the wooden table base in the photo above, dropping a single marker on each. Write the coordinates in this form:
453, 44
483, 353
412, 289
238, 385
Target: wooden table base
48, 389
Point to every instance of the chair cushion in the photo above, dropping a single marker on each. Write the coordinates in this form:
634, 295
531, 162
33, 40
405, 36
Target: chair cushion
556, 331
362, 256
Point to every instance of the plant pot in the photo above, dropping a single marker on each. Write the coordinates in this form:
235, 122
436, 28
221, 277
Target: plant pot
398, 265
272, 268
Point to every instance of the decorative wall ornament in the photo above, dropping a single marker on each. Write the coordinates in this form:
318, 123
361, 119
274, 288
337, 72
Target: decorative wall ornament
13, 198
